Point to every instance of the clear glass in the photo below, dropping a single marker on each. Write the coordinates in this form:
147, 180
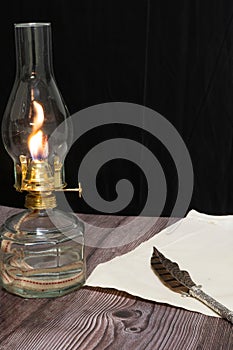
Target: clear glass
42, 253
35, 90
41, 249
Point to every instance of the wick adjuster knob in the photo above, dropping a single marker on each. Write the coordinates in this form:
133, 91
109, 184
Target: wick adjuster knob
78, 189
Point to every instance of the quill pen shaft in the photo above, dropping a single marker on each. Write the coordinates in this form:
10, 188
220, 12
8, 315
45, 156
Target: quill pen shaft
222, 310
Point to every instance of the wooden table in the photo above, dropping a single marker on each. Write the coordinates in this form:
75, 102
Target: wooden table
95, 318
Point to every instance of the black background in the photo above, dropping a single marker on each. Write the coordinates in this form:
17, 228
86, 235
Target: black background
174, 57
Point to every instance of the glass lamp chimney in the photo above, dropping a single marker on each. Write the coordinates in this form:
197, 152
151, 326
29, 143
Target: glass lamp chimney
35, 108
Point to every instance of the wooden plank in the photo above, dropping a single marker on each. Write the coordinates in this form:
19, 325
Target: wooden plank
92, 318
95, 318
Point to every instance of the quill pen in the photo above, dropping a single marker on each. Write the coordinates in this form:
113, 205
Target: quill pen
180, 281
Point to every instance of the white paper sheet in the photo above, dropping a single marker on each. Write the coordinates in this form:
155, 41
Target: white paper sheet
199, 243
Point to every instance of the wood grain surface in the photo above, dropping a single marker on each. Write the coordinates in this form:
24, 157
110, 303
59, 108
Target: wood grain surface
95, 318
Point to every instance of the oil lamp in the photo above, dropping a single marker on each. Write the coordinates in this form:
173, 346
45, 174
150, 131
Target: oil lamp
42, 248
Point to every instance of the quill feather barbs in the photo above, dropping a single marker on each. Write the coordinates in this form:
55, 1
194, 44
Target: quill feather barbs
170, 274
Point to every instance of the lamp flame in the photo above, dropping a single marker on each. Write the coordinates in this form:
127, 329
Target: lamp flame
37, 141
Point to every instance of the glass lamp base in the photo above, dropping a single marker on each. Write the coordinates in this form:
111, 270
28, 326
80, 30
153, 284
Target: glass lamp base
42, 253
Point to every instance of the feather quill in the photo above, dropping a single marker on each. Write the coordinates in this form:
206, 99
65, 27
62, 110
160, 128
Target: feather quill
180, 281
